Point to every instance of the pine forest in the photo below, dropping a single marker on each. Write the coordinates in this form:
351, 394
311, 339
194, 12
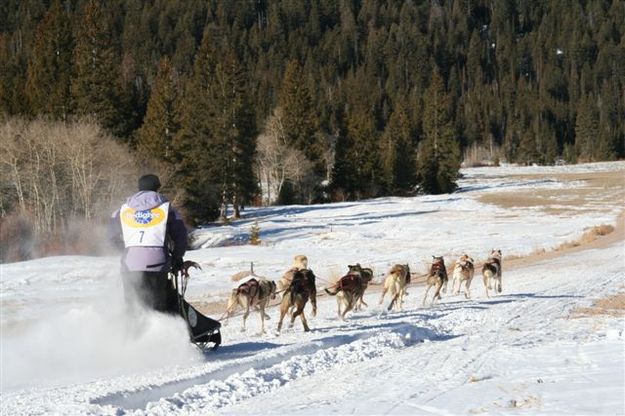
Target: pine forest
255, 102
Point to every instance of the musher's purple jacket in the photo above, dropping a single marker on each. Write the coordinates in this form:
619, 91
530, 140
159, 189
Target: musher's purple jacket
151, 259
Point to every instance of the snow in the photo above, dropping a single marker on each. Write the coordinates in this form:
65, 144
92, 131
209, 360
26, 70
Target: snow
68, 348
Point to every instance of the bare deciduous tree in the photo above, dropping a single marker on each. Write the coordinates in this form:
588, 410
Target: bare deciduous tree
278, 162
60, 172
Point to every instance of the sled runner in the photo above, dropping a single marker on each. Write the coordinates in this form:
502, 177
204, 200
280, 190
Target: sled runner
202, 329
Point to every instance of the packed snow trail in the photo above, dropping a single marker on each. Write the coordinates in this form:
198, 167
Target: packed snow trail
513, 347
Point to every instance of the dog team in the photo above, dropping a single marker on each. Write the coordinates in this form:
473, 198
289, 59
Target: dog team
298, 286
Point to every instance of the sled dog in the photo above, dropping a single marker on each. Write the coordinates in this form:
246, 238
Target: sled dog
366, 274
347, 290
255, 292
300, 262
395, 283
491, 271
437, 277
464, 269
301, 289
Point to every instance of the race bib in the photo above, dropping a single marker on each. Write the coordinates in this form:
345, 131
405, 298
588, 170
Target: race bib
144, 228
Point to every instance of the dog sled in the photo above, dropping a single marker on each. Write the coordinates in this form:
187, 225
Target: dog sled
204, 332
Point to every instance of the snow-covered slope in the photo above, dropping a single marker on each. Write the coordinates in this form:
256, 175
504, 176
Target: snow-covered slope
67, 347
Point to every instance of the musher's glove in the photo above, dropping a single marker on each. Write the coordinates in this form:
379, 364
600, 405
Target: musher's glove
176, 264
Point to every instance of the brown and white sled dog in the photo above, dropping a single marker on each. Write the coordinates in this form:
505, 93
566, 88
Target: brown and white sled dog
437, 277
395, 283
348, 289
300, 262
255, 292
491, 271
301, 289
464, 270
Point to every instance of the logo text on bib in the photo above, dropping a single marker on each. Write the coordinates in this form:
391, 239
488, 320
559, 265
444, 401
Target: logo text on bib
143, 219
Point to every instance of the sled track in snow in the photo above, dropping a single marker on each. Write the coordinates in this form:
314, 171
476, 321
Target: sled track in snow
235, 380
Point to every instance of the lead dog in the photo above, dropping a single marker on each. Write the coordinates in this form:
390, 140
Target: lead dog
301, 289
395, 282
437, 277
253, 292
491, 271
464, 270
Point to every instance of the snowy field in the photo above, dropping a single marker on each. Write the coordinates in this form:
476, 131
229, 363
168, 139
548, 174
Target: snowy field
68, 349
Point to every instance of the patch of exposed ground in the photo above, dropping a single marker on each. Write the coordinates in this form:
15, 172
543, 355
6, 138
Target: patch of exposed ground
601, 191
600, 236
612, 305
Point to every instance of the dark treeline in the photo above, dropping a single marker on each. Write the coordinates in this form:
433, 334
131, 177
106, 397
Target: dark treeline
302, 101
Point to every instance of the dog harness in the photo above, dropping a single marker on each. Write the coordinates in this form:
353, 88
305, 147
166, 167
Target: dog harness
251, 288
303, 283
493, 265
349, 282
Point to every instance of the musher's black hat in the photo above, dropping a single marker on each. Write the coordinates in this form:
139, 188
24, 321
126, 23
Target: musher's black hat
149, 182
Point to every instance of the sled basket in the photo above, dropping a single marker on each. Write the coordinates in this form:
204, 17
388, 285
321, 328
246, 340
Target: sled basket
202, 329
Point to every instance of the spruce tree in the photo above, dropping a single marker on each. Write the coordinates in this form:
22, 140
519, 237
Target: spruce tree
50, 66
195, 153
586, 129
233, 132
398, 153
344, 180
299, 114
527, 153
611, 109
162, 120
12, 76
438, 160
96, 87
546, 143
365, 152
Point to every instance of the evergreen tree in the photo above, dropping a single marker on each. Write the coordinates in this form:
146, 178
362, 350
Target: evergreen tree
195, 154
50, 67
586, 129
96, 87
344, 180
233, 132
299, 115
609, 147
365, 152
546, 143
528, 149
398, 153
12, 79
162, 120
438, 160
